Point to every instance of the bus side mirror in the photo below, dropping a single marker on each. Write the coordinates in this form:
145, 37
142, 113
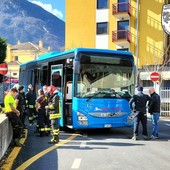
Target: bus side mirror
76, 67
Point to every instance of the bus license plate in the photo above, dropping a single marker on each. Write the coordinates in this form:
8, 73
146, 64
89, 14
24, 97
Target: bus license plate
107, 125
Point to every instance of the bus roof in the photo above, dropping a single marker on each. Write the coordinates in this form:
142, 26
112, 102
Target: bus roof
76, 50
53, 54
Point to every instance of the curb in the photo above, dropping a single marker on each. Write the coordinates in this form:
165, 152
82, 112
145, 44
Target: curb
12, 156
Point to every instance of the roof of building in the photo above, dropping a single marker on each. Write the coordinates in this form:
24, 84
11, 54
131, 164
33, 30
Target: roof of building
14, 63
27, 46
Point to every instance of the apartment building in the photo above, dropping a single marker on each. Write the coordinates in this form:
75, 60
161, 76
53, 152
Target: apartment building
130, 25
20, 53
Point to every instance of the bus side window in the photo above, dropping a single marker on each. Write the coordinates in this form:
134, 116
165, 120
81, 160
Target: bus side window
69, 91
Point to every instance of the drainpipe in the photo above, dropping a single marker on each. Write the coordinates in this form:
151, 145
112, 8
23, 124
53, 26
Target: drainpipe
137, 40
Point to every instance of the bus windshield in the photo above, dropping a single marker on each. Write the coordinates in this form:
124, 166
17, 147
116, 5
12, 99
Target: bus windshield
105, 76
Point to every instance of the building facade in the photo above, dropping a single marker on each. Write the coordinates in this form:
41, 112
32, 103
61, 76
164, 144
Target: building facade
21, 53
130, 25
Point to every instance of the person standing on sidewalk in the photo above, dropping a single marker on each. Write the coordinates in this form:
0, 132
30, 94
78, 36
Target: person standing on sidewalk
13, 114
19, 103
140, 101
154, 110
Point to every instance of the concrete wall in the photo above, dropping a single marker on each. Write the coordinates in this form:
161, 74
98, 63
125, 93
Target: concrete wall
6, 134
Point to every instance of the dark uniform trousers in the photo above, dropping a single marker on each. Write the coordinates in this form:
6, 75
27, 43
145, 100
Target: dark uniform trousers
14, 119
140, 117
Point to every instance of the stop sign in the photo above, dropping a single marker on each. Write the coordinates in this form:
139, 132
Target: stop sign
3, 68
154, 76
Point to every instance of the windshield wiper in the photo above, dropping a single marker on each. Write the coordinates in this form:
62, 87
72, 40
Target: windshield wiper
108, 94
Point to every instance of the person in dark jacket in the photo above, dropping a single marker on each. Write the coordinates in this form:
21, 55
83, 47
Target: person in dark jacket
140, 101
154, 110
20, 103
30, 101
20, 106
40, 104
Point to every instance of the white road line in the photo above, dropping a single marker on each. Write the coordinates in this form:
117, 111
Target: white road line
83, 145
76, 163
167, 124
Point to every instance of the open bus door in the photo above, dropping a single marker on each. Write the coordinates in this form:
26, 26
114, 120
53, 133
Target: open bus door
56, 80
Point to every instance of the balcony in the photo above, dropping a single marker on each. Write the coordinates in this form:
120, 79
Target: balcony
121, 36
121, 10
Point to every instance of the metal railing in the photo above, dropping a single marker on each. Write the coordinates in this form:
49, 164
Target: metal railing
165, 101
121, 35
121, 7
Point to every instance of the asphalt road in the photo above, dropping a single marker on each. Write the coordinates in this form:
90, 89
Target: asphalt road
96, 150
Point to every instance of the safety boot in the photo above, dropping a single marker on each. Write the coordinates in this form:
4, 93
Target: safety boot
54, 140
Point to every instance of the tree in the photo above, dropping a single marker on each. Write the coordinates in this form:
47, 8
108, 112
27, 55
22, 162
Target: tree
3, 47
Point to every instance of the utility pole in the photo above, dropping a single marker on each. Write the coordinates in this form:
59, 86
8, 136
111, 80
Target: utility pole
137, 40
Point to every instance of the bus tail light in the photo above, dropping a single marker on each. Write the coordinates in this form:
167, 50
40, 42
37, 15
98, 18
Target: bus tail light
82, 119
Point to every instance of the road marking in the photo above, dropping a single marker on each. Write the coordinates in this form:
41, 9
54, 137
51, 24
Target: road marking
83, 145
39, 155
167, 124
10, 160
76, 163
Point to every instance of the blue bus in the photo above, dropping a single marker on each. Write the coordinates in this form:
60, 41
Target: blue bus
96, 85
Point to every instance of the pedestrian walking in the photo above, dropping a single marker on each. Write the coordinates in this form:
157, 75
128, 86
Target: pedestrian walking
13, 114
139, 101
30, 101
54, 111
154, 110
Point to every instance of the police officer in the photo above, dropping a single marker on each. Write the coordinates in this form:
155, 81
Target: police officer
54, 110
30, 101
140, 101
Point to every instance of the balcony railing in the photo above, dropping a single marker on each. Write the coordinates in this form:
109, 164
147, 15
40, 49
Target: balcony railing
121, 35
123, 7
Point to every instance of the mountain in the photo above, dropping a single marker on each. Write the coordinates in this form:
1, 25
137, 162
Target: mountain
25, 21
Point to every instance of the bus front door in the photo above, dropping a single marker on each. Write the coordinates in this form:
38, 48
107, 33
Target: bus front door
57, 81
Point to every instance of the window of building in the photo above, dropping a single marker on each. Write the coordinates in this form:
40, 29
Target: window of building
123, 49
123, 5
14, 74
102, 28
16, 58
122, 27
147, 83
102, 4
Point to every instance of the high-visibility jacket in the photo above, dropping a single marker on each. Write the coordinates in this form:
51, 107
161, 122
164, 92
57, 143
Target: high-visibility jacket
54, 107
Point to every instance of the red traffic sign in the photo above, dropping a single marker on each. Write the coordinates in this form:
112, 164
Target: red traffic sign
154, 76
3, 68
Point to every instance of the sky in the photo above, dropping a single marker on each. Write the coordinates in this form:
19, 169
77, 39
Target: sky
56, 7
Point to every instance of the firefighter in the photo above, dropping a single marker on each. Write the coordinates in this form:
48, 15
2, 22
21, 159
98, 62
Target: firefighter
54, 111
40, 104
30, 101
47, 119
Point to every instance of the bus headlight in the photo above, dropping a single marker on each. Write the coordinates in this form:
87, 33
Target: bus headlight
130, 118
82, 119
